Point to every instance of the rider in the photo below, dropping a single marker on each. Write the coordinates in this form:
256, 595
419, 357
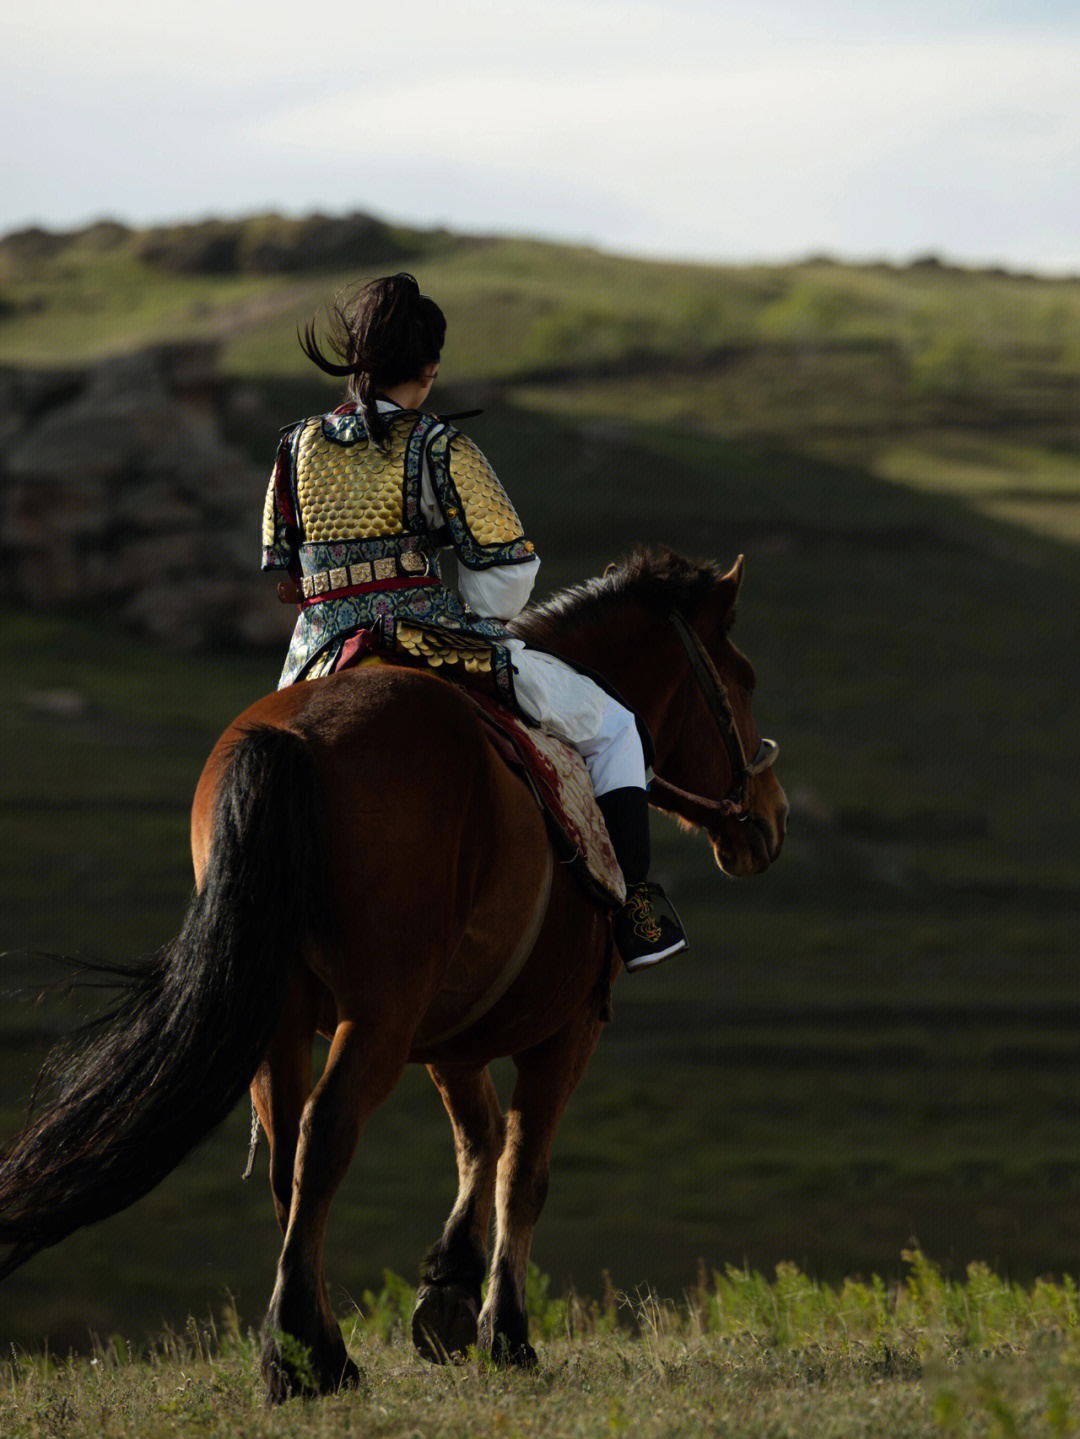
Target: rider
360, 505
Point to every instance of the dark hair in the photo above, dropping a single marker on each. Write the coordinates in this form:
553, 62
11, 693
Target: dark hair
384, 334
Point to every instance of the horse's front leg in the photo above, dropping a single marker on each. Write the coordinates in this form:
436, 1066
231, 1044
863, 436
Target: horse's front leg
547, 1076
448, 1300
304, 1352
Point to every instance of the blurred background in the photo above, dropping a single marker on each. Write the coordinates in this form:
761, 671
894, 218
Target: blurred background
722, 277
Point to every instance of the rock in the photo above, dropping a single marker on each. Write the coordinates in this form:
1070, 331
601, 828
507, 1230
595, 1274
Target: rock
153, 559
191, 615
264, 622
121, 482
158, 507
25, 394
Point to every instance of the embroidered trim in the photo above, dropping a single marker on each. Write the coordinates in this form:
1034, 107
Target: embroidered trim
414, 459
474, 554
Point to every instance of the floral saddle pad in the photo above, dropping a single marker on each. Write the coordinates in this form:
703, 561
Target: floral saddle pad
557, 776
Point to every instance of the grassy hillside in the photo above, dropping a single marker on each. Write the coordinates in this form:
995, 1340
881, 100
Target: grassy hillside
966, 382
878, 1039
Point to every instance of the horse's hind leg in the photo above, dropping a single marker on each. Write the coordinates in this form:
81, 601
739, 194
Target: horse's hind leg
547, 1076
281, 1086
304, 1352
448, 1301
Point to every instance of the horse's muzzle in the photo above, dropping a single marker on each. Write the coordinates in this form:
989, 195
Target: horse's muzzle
750, 846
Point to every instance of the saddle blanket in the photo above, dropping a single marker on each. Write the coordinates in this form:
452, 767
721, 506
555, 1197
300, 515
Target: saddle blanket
558, 778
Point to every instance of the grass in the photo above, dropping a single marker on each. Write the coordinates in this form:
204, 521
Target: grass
960, 382
738, 1355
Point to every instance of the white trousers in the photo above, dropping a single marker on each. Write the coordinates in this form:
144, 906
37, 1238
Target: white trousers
575, 709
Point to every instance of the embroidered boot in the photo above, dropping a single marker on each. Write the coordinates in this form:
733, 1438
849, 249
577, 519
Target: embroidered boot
647, 929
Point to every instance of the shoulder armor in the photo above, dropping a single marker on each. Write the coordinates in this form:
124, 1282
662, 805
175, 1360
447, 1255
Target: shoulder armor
488, 511
483, 524
270, 517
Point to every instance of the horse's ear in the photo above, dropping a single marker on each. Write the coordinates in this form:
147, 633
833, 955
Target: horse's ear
728, 590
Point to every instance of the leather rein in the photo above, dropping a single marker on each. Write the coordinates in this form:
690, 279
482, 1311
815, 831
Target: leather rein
736, 803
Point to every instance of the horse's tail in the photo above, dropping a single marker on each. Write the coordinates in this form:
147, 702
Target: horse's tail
168, 1063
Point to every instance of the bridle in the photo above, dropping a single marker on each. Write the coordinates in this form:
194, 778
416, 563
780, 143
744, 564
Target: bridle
736, 803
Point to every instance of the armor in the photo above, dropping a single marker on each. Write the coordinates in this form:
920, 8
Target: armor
345, 518
482, 522
350, 491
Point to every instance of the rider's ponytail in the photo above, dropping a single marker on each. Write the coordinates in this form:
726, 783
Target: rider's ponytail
383, 336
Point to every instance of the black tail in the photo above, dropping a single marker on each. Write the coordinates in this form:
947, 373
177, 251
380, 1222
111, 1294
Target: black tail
194, 1024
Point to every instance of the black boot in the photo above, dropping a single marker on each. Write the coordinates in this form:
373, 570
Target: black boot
647, 929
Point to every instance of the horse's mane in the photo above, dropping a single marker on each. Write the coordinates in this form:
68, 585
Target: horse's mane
661, 580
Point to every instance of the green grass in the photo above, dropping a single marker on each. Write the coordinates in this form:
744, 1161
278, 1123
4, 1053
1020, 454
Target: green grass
963, 382
738, 1355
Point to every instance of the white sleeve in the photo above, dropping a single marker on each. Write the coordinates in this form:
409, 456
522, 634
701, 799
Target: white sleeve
499, 592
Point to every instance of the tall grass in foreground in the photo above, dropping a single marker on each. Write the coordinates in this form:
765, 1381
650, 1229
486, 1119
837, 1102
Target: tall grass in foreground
737, 1355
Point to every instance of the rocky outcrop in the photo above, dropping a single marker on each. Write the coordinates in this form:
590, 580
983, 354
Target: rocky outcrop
125, 485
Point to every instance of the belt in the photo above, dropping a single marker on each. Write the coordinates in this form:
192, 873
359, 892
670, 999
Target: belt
390, 573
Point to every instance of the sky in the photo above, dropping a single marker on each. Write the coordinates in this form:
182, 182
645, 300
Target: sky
697, 129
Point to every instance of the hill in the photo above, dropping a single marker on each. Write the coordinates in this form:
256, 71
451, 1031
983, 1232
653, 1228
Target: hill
930, 375
877, 1040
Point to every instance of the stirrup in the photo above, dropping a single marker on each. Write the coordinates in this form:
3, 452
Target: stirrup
647, 929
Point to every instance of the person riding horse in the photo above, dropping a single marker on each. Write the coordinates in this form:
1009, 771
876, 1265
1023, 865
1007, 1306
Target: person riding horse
364, 508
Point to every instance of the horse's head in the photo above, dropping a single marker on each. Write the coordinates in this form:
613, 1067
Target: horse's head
657, 627
714, 770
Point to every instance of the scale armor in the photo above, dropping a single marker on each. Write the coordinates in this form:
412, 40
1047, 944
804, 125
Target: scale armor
350, 491
338, 504
482, 523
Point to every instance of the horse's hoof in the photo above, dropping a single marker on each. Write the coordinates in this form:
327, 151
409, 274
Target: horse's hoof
291, 1371
514, 1356
507, 1351
284, 1380
443, 1322
350, 1376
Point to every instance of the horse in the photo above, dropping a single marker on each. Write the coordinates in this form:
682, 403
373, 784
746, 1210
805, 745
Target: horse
366, 867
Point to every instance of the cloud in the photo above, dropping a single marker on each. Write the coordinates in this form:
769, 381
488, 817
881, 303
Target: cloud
732, 131
776, 151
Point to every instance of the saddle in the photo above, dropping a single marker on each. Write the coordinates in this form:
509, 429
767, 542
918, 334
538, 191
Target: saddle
555, 772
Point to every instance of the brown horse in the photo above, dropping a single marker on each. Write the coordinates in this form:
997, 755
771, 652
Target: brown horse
367, 867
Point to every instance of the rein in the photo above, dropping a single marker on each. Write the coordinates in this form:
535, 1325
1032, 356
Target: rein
736, 803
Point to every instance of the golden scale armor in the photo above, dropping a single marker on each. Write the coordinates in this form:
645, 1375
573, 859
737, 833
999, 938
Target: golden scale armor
359, 522
356, 492
350, 492
443, 647
488, 513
